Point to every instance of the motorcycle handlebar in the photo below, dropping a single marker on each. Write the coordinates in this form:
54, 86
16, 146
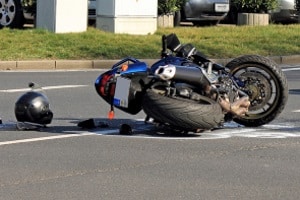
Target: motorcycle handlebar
172, 43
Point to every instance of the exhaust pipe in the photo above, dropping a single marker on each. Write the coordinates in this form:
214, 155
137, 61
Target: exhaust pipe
187, 74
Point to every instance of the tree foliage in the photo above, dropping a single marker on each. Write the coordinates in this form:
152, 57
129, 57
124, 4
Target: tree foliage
30, 6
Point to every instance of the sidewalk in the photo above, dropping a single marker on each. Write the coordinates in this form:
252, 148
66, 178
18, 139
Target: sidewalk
105, 64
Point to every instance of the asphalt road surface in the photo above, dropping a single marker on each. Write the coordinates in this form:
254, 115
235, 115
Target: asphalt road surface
64, 161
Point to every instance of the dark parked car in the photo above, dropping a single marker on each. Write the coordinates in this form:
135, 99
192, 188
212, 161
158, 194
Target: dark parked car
92, 5
11, 14
286, 12
202, 12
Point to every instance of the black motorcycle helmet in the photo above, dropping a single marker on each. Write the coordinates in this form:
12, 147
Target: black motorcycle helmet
33, 107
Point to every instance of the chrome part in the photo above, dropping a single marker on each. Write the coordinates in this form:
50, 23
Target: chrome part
166, 72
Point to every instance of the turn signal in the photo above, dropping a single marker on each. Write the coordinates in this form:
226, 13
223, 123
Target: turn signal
124, 68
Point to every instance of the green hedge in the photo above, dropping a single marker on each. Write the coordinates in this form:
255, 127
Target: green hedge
255, 6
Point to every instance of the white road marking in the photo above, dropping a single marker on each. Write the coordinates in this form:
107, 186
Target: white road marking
291, 69
272, 131
44, 138
296, 68
208, 135
43, 88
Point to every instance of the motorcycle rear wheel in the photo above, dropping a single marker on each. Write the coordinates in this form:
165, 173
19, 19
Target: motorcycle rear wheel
266, 85
181, 113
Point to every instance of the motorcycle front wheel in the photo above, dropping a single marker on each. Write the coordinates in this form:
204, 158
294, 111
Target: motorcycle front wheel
266, 86
182, 113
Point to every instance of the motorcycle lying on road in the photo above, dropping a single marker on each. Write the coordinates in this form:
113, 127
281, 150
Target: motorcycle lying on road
188, 92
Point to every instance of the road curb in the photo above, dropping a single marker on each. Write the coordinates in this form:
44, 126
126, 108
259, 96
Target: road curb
105, 64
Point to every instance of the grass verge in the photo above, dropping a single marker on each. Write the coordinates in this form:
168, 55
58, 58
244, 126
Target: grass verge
215, 42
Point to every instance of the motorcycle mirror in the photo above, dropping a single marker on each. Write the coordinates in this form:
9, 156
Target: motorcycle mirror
164, 46
173, 42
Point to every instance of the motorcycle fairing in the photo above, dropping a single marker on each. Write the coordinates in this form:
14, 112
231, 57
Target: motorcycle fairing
136, 73
171, 60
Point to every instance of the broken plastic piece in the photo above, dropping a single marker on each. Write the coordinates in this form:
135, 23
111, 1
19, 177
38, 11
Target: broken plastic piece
92, 123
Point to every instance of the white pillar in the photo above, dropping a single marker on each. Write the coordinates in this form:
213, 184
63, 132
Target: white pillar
62, 16
137, 17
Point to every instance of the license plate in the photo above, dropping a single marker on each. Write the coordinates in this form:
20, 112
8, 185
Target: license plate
221, 7
122, 92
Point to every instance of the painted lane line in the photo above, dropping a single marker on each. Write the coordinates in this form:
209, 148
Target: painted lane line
44, 138
271, 131
279, 126
207, 135
291, 69
43, 88
224, 134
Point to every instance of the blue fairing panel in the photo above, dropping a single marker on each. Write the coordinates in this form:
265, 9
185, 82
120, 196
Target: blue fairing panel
169, 60
138, 67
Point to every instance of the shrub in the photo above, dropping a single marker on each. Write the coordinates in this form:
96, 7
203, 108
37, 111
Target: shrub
29, 6
169, 6
255, 6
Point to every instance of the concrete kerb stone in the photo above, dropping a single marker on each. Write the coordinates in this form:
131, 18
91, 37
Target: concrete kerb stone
74, 64
43, 64
294, 59
286, 60
8, 65
106, 64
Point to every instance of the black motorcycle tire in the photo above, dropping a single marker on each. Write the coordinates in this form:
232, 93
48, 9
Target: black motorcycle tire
181, 113
279, 80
